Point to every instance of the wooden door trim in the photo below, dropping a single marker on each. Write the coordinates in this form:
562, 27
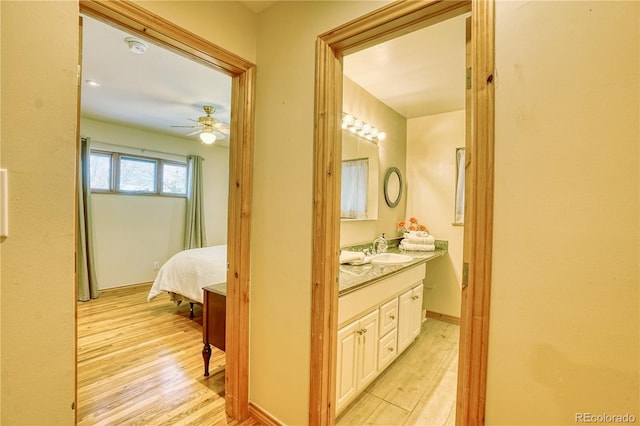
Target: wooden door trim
474, 328
390, 21
137, 20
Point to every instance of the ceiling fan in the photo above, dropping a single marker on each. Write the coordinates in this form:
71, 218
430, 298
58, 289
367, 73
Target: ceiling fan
209, 128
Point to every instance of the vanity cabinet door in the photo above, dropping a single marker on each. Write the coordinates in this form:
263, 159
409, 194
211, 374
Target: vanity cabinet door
346, 363
357, 357
368, 358
409, 313
416, 295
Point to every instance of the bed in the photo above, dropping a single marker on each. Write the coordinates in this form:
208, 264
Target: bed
184, 274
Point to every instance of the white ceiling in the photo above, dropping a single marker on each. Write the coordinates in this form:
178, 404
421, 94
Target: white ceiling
419, 74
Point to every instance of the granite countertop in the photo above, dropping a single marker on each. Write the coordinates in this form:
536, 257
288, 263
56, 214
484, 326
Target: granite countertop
353, 277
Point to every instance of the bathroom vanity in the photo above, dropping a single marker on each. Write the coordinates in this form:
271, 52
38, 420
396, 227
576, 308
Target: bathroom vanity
379, 316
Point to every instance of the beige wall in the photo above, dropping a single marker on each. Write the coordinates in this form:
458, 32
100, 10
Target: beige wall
38, 149
1, 241
564, 323
282, 202
431, 179
228, 24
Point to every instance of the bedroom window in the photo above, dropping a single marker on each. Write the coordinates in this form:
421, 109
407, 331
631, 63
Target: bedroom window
113, 172
174, 178
137, 175
100, 176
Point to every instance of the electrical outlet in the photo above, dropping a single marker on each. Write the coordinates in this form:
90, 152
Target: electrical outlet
156, 265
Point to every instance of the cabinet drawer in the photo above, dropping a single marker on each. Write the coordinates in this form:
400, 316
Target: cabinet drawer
388, 316
387, 349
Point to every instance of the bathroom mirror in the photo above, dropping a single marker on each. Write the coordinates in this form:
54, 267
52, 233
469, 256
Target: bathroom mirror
393, 186
359, 192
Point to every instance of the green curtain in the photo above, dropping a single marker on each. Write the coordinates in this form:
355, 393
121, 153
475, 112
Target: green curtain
87, 282
195, 235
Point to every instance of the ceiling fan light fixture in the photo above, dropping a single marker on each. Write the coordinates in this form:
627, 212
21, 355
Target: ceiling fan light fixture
136, 45
207, 137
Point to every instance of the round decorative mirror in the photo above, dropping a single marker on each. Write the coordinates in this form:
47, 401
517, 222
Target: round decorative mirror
393, 186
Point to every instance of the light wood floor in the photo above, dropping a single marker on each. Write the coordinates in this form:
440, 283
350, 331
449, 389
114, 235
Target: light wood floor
140, 363
419, 388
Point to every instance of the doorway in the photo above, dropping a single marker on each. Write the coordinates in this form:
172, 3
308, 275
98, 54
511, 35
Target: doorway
137, 20
383, 24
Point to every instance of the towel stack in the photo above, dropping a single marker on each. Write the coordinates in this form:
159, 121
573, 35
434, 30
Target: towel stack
418, 241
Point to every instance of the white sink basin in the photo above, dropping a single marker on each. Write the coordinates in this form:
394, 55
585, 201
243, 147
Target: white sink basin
391, 258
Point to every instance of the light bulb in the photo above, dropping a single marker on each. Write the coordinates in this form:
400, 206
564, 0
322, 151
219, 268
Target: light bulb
382, 136
348, 119
207, 138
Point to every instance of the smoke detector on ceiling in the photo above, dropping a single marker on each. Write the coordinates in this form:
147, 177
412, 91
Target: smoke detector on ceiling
136, 45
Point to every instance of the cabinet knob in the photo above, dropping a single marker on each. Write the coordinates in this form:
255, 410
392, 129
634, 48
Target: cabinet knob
390, 349
392, 317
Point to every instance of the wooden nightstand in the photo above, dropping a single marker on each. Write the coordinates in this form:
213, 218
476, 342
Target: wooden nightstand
214, 315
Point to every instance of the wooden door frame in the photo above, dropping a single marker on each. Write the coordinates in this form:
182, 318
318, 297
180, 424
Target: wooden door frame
383, 24
137, 20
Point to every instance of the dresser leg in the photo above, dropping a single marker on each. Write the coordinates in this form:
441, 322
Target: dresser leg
206, 356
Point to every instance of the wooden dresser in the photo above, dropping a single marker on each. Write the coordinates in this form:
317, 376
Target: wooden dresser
213, 320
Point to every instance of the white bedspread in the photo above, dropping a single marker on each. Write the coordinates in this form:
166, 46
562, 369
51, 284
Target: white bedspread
190, 270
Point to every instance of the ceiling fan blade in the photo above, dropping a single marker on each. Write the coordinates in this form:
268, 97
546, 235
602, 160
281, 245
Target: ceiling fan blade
195, 132
222, 127
190, 127
219, 135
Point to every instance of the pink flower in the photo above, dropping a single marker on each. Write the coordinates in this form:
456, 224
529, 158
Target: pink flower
411, 224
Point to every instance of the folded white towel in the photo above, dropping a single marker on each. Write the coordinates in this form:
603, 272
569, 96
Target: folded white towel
351, 257
416, 246
414, 238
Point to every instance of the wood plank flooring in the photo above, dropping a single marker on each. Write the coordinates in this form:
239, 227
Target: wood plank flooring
140, 363
419, 388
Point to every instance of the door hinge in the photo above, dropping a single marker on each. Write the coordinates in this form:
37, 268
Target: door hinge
465, 274
468, 78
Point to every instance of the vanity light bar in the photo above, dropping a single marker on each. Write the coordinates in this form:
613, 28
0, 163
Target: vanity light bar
360, 128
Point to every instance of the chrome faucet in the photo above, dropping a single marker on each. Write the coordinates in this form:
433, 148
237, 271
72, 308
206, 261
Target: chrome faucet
379, 245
